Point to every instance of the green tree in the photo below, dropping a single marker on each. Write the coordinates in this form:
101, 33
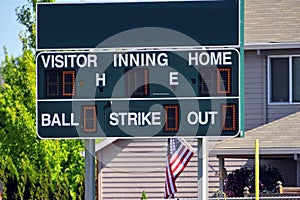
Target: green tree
144, 196
26, 16
32, 168
40, 168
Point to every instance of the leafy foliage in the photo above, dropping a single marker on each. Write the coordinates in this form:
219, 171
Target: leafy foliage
240, 178
144, 196
31, 168
26, 16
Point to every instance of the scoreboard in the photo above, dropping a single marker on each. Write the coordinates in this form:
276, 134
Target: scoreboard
139, 69
144, 93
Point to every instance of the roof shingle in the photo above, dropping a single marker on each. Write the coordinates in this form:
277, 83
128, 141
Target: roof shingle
272, 21
282, 133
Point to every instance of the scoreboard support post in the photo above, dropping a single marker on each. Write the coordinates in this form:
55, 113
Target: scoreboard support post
89, 188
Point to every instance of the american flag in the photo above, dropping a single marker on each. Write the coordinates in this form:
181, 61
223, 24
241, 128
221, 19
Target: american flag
178, 156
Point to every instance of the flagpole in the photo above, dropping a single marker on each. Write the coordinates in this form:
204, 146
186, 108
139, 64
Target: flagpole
202, 168
187, 144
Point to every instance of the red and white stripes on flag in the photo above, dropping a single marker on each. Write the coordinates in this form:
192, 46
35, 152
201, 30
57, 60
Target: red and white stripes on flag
178, 156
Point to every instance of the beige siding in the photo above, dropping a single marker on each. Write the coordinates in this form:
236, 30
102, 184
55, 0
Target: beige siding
253, 90
130, 166
279, 111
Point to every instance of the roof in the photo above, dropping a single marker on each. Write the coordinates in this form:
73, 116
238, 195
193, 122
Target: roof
101, 145
104, 143
280, 137
272, 21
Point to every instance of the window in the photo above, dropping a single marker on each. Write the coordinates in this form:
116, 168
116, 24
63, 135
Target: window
296, 79
284, 79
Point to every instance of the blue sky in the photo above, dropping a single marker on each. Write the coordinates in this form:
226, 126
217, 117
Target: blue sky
9, 27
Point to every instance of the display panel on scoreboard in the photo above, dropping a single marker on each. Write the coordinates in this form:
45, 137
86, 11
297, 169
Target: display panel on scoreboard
143, 74
138, 94
162, 118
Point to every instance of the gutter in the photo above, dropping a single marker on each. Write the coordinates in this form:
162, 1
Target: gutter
262, 46
264, 152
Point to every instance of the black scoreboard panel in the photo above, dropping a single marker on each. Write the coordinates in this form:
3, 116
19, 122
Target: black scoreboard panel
85, 25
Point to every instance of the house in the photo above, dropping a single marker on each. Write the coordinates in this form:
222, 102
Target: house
279, 146
272, 43
272, 105
272, 55
128, 167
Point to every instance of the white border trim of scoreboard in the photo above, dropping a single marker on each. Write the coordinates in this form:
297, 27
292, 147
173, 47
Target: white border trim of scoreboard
138, 99
162, 98
135, 1
120, 1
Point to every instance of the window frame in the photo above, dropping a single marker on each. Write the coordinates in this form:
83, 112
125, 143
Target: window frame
290, 68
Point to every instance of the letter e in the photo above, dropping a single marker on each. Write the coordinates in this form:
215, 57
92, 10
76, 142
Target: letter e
173, 78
